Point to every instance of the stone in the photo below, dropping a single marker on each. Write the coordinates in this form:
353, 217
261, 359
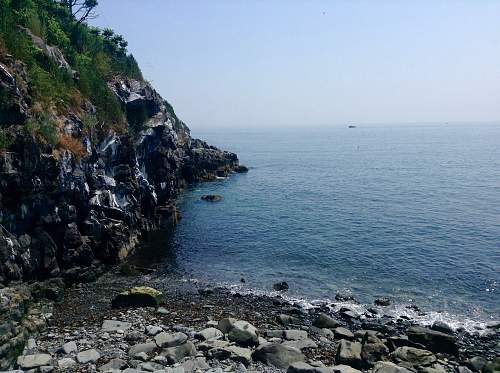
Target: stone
153, 330
150, 366
69, 347
113, 364
442, 327
373, 352
66, 363
492, 366
476, 363
243, 333
177, 353
294, 335
433, 340
225, 325
410, 356
325, 321
286, 320
301, 344
241, 169
33, 361
240, 354
88, 356
195, 365
209, 333
114, 325
387, 367
147, 347
277, 355
211, 198
349, 353
341, 368
165, 340
384, 302
462, 369
140, 296
281, 286
142, 356
343, 333
301, 367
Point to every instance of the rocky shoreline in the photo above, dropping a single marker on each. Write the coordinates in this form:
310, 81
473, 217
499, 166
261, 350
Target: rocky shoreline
192, 327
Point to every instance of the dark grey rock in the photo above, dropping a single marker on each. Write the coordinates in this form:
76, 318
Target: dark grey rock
433, 340
349, 353
325, 321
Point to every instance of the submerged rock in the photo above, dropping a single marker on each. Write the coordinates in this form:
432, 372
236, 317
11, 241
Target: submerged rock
281, 286
211, 198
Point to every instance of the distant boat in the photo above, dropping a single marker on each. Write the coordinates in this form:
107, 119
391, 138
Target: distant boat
352, 126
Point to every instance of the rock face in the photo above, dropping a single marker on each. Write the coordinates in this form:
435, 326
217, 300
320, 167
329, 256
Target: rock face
60, 210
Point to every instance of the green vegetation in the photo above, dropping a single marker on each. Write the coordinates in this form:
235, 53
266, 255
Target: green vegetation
96, 55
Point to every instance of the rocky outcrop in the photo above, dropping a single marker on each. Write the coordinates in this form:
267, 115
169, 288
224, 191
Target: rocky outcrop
60, 210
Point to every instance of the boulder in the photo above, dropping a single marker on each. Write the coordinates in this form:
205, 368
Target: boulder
34, 361
492, 366
66, 363
341, 368
211, 198
442, 327
343, 333
433, 340
114, 325
88, 356
325, 321
281, 286
373, 352
240, 354
349, 353
294, 335
476, 363
226, 324
209, 333
277, 355
198, 364
69, 347
142, 347
243, 333
411, 357
177, 353
387, 367
301, 367
301, 344
165, 340
141, 296
113, 364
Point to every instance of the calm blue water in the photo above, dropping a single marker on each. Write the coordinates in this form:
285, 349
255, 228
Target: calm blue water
411, 212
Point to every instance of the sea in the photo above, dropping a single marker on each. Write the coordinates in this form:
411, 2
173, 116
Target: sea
410, 212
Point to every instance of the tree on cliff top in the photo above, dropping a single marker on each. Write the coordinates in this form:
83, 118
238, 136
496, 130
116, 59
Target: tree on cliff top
81, 9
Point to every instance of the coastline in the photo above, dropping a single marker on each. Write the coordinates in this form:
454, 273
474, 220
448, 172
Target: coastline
192, 306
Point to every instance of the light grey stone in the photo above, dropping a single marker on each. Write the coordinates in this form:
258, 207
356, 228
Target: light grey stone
170, 339
66, 362
34, 361
88, 356
114, 325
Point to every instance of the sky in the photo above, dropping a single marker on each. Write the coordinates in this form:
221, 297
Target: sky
249, 64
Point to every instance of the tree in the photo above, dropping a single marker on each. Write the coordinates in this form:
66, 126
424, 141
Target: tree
81, 9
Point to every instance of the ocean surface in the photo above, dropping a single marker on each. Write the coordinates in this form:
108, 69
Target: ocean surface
411, 212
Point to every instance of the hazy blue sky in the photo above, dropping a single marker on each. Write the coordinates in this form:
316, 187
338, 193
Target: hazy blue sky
259, 63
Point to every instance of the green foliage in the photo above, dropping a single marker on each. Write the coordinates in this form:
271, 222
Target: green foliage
6, 139
43, 128
95, 55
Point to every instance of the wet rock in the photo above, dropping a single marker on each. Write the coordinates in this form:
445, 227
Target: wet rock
141, 296
384, 302
277, 355
34, 361
211, 198
170, 339
433, 340
243, 333
281, 286
325, 321
301, 367
442, 327
88, 356
345, 297
177, 353
114, 325
241, 169
349, 353
411, 357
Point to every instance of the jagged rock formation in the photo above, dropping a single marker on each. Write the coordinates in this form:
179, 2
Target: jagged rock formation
61, 210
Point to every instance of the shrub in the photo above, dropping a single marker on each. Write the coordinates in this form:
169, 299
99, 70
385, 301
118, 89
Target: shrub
73, 145
43, 128
6, 140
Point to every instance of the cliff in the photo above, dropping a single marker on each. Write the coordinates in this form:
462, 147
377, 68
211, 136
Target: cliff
91, 155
